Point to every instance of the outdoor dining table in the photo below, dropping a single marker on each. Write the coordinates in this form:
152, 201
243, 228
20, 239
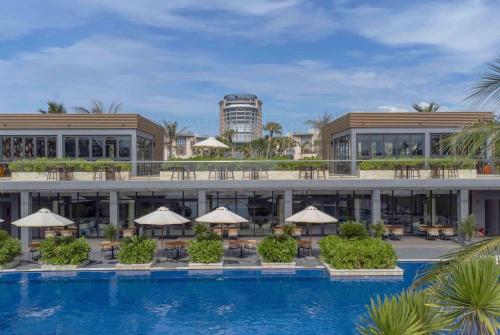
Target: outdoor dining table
241, 243
114, 245
178, 245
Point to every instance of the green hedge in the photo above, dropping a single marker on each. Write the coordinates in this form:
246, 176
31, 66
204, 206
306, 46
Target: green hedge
390, 164
137, 250
353, 230
44, 164
206, 250
277, 249
64, 250
366, 253
276, 164
10, 248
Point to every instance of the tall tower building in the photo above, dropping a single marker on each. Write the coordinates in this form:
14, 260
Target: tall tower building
243, 113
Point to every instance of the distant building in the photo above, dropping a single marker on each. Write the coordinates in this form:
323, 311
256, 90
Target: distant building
243, 113
305, 144
183, 147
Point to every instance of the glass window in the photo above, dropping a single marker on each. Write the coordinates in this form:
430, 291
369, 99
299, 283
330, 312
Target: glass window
40, 147
404, 145
110, 147
29, 149
417, 144
83, 147
6, 150
70, 147
376, 145
51, 147
18, 147
97, 147
124, 147
144, 149
390, 145
363, 146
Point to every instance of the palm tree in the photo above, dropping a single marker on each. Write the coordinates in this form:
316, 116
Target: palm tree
469, 296
273, 128
99, 108
426, 107
53, 107
171, 132
320, 122
228, 135
486, 92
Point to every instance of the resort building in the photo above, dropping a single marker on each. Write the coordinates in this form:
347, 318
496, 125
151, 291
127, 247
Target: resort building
243, 114
305, 144
184, 145
264, 192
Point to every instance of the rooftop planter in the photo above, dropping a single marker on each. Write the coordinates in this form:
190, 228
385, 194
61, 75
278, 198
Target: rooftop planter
82, 170
358, 256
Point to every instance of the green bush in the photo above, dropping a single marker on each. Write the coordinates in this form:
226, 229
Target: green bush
206, 250
64, 250
10, 248
353, 230
277, 249
368, 253
378, 229
394, 163
44, 164
137, 250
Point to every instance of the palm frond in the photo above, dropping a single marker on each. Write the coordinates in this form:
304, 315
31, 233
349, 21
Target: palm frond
82, 110
481, 249
486, 93
474, 139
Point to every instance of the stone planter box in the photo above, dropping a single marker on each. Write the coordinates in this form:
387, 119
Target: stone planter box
51, 267
145, 266
238, 175
272, 265
10, 265
424, 174
42, 176
206, 266
396, 272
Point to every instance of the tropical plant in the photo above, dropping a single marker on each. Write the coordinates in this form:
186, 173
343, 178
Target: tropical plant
407, 313
10, 248
319, 123
486, 92
110, 232
98, 107
137, 250
277, 248
44, 164
469, 296
353, 230
205, 250
201, 233
273, 128
228, 137
53, 107
368, 253
171, 131
426, 107
378, 229
468, 227
64, 250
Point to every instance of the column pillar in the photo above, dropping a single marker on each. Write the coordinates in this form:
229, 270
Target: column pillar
202, 202
288, 201
376, 206
25, 204
427, 145
463, 204
14, 214
357, 209
59, 146
113, 208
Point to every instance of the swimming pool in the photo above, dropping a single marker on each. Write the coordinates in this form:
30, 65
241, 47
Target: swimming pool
179, 302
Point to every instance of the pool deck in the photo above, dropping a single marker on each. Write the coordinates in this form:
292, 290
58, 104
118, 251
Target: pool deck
410, 248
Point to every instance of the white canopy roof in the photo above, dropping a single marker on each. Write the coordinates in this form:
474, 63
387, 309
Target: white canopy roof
221, 215
42, 218
162, 217
211, 142
311, 215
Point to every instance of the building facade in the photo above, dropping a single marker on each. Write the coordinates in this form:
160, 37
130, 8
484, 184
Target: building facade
305, 144
243, 114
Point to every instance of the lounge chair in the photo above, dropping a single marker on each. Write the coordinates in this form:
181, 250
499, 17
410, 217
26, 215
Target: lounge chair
397, 233
446, 233
432, 233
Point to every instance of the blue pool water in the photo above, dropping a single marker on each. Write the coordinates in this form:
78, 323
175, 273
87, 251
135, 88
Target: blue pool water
179, 302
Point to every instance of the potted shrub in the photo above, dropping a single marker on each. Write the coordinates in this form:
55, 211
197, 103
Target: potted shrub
206, 249
467, 228
110, 232
358, 257
277, 251
64, 253
136, 253
10, 248
353, 230
378, 229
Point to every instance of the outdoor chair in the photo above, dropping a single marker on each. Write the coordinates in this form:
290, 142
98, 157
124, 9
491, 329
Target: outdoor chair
67, 233
432, 233
218, 230
67, 174
413, 172
397, 233
52, 174
50, 233
278, 231
250, 245
34, 248
297, 232
437, 172
452, 172
128, 232
448, 232
168, 248
232, 233
304, 246
98, 173
234, 247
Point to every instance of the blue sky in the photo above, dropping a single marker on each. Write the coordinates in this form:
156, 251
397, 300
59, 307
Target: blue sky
177, 59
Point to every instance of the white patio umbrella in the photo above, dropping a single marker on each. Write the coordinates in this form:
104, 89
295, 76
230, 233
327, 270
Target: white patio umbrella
211, 142
42, 218
311, 215
162, 217
222, 216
